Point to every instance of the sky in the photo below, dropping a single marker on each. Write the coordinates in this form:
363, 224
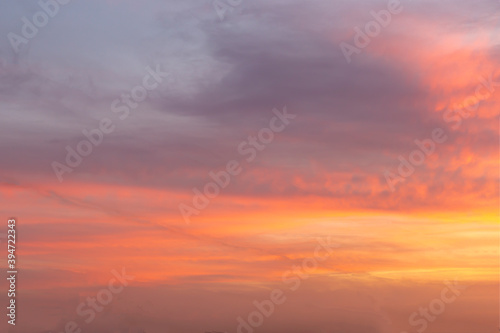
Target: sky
345, 153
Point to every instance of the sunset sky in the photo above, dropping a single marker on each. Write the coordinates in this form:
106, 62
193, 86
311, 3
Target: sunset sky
333, 170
